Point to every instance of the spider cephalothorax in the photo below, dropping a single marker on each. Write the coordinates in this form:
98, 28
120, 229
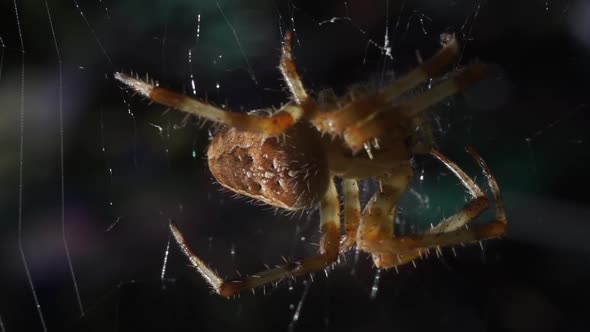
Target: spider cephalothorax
289, 160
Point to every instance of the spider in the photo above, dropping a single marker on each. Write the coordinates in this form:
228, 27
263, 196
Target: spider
290, 158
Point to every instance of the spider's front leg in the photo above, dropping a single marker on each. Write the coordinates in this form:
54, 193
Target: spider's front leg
290, 73
330, 230
387, 118
274, 125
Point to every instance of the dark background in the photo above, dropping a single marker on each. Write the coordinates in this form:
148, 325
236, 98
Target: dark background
124, 178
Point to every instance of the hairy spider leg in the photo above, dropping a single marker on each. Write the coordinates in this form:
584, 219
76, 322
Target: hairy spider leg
388, 118
379, 213
330, 237
336, 122
478, 203
493, 184
352, 213
374, 221
274, 125
452, 230
289, 71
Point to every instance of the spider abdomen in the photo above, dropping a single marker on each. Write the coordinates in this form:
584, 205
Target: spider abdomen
289, 171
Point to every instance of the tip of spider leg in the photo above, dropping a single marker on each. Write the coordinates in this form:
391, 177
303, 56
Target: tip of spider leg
136, 84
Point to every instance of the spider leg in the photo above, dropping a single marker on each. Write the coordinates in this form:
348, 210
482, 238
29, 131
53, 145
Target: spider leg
378, 216
386, 225
381, 259
452, 230
352, 213
274, 125
387, 119
336, 122
289, 71
329, 227
479, 203
403, 244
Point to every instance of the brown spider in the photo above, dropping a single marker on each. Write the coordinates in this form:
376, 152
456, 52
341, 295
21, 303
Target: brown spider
296, 170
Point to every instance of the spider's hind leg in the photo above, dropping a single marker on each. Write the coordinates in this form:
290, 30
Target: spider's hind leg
452, 230
329, 227
379, 213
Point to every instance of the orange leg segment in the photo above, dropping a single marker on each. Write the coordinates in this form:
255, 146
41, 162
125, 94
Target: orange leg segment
452, 230
352, 213
329, 227
390, 118
274, 125
356, 111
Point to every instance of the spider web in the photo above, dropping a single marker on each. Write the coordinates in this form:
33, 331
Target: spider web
91, 175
